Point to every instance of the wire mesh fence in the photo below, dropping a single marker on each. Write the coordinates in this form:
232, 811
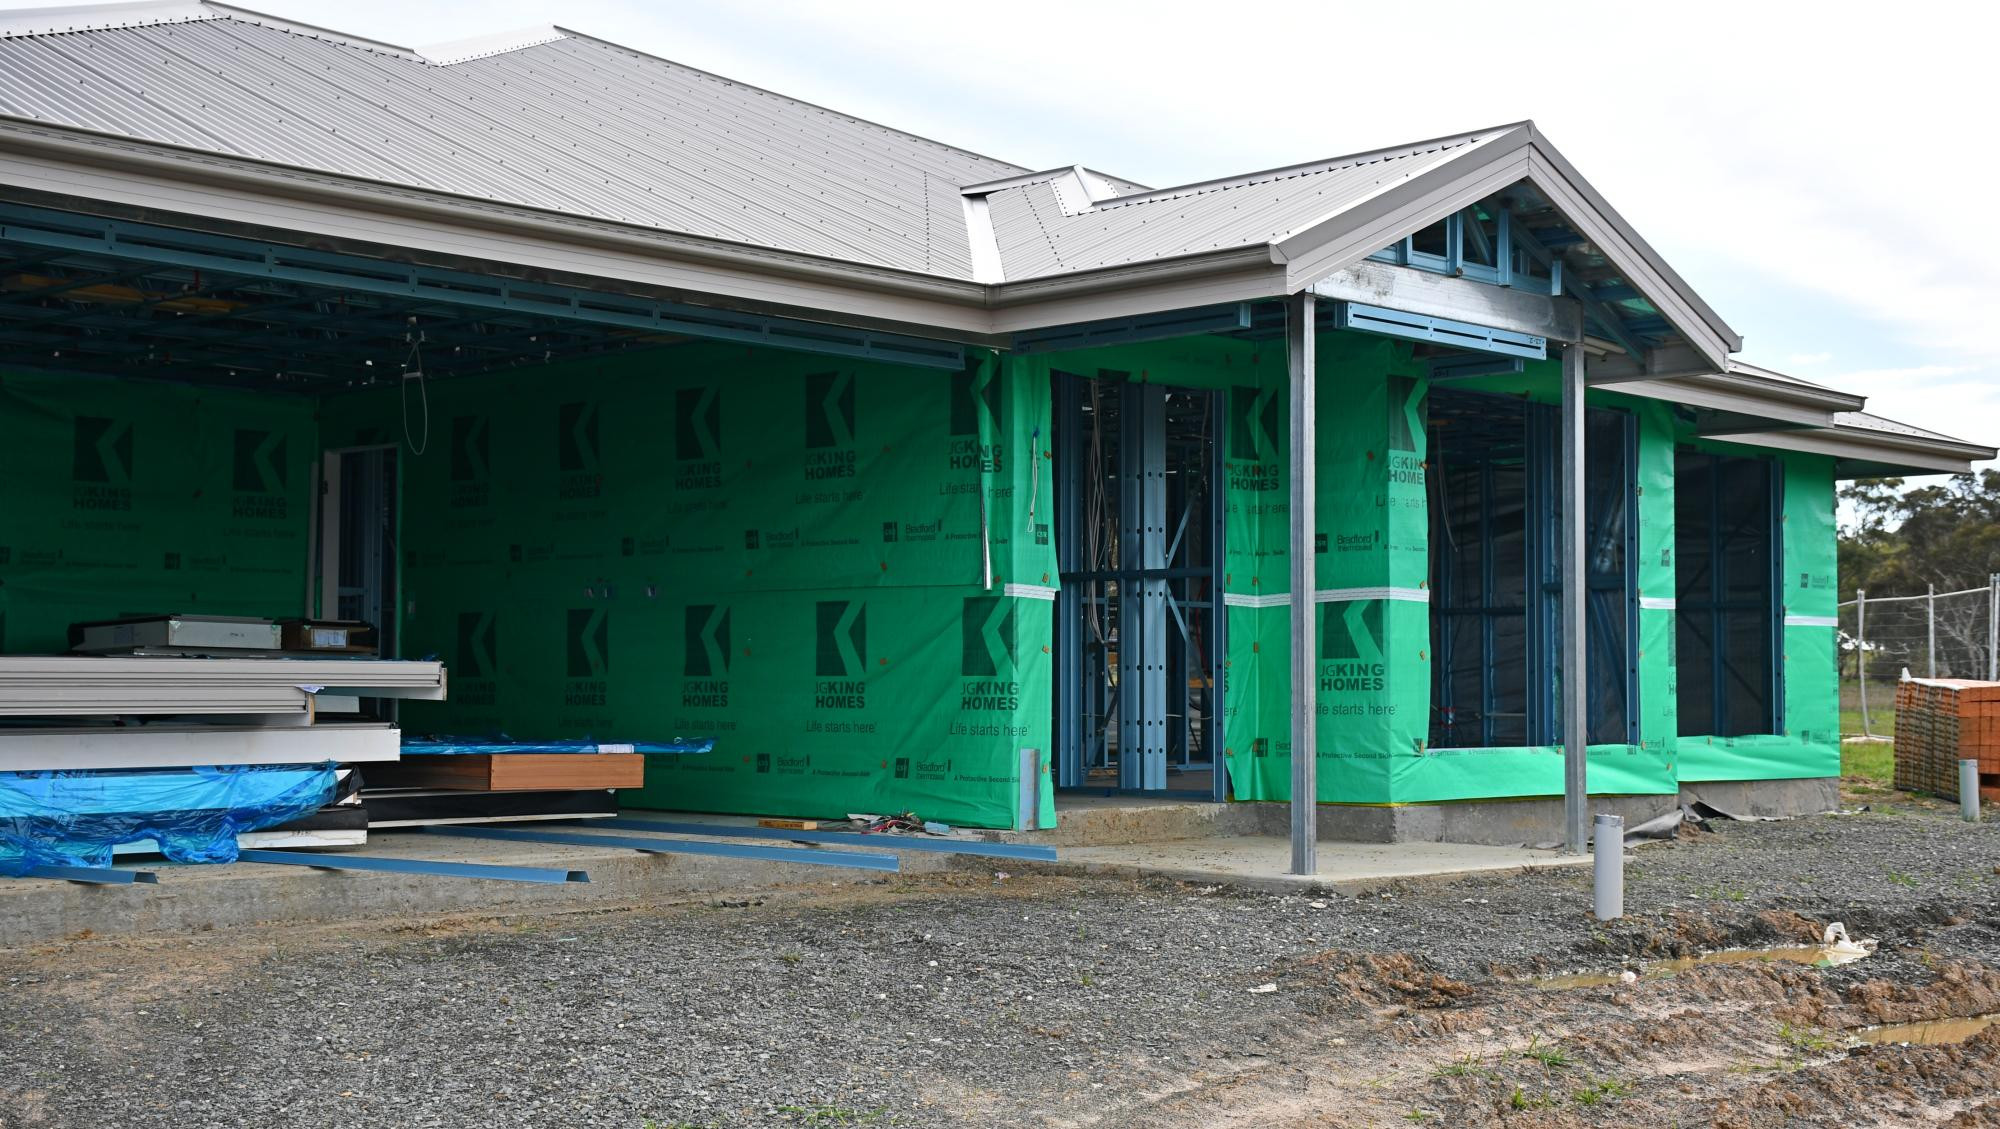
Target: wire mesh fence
1933, 635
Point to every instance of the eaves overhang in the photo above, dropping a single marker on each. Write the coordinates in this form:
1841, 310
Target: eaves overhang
1860, 452
94, 170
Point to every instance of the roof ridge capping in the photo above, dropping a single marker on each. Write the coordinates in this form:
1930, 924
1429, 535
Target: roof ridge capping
453, 51
153, 13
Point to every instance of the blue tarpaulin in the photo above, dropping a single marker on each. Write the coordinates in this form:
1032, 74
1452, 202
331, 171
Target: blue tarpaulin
194, 814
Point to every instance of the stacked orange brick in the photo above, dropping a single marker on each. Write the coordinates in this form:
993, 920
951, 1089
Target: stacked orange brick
1941, 721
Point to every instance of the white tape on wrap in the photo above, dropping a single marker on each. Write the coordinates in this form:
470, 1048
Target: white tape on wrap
1350, 595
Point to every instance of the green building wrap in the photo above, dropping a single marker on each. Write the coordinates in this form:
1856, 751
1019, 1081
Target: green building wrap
787, 553
136, 497
843, 570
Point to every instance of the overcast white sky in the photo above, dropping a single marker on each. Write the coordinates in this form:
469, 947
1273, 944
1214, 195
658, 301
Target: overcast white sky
1820, 173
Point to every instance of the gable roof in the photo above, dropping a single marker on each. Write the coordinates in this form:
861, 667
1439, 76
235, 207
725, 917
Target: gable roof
560, 123
553, 151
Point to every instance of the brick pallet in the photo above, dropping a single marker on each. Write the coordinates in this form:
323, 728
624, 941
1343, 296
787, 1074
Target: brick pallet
1941, 721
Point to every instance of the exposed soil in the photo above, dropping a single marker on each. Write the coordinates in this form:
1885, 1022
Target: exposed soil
977, 999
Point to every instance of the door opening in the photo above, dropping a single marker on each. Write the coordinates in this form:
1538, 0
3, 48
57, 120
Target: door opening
1139, 620
357, 558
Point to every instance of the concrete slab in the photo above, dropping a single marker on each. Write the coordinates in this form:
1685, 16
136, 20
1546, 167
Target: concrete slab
1261, 861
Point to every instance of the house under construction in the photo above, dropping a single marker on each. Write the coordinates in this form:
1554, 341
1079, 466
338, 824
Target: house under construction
658, 406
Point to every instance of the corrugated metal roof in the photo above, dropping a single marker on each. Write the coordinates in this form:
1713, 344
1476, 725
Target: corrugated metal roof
571, 124
1869, 421
1039, 232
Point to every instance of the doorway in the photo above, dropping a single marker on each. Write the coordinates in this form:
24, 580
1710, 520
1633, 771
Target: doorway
357, 541
1139, 617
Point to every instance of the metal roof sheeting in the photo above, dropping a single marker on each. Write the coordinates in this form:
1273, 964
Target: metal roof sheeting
569, 124
1041, 233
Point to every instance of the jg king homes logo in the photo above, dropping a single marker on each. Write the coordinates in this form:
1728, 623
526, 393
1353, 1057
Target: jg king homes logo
577, 473
257, 476
1253, 462
588, 658
830, 452
989, 671
1351, 667
976, 422
471, 463
698, 439
475, 676
705, 657
1406, 422
840, 655
101, 464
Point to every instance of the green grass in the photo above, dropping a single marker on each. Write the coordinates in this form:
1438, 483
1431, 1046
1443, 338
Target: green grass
1872, 762
835, 1115
1467, 1067
1805, 1040
1610, 1089
1550, 1056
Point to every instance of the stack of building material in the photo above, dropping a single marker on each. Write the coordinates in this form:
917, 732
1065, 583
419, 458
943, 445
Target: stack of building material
1941, 721
184, 754
461, 779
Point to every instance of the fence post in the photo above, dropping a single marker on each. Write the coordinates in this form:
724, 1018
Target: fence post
1861, 655
1993, 628
1930, 630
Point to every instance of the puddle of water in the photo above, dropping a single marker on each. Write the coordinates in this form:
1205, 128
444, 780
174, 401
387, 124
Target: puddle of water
1929, 1032
1661, 969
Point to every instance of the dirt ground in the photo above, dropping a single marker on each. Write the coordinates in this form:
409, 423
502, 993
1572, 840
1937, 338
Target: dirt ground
991, 998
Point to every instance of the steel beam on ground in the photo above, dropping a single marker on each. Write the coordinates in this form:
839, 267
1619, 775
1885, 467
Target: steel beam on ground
414, 866
1022, 851
808, 856
92, 875
1576, 817
1300, 329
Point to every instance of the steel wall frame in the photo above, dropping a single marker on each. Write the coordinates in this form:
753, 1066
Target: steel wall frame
1143, 593
1715, 609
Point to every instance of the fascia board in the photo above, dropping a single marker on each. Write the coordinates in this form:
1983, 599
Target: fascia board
1359, 229
94, 167
1925, 456
1213, 278
1629, 236
1681, 391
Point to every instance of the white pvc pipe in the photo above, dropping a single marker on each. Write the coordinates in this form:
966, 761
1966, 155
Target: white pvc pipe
1610, 867
1968, 790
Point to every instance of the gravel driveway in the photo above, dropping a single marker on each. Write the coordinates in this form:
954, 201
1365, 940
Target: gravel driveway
978, 998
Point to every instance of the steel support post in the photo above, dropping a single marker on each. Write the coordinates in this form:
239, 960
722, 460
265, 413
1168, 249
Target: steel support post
1299, 328
1142, 603
1930, 631
1575, 725
1861, 656
1993, 628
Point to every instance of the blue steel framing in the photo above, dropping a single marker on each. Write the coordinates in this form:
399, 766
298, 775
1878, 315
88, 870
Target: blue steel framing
809, 856
1540, 609
1021, 851
1770, 610
434, 867
1076, 690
